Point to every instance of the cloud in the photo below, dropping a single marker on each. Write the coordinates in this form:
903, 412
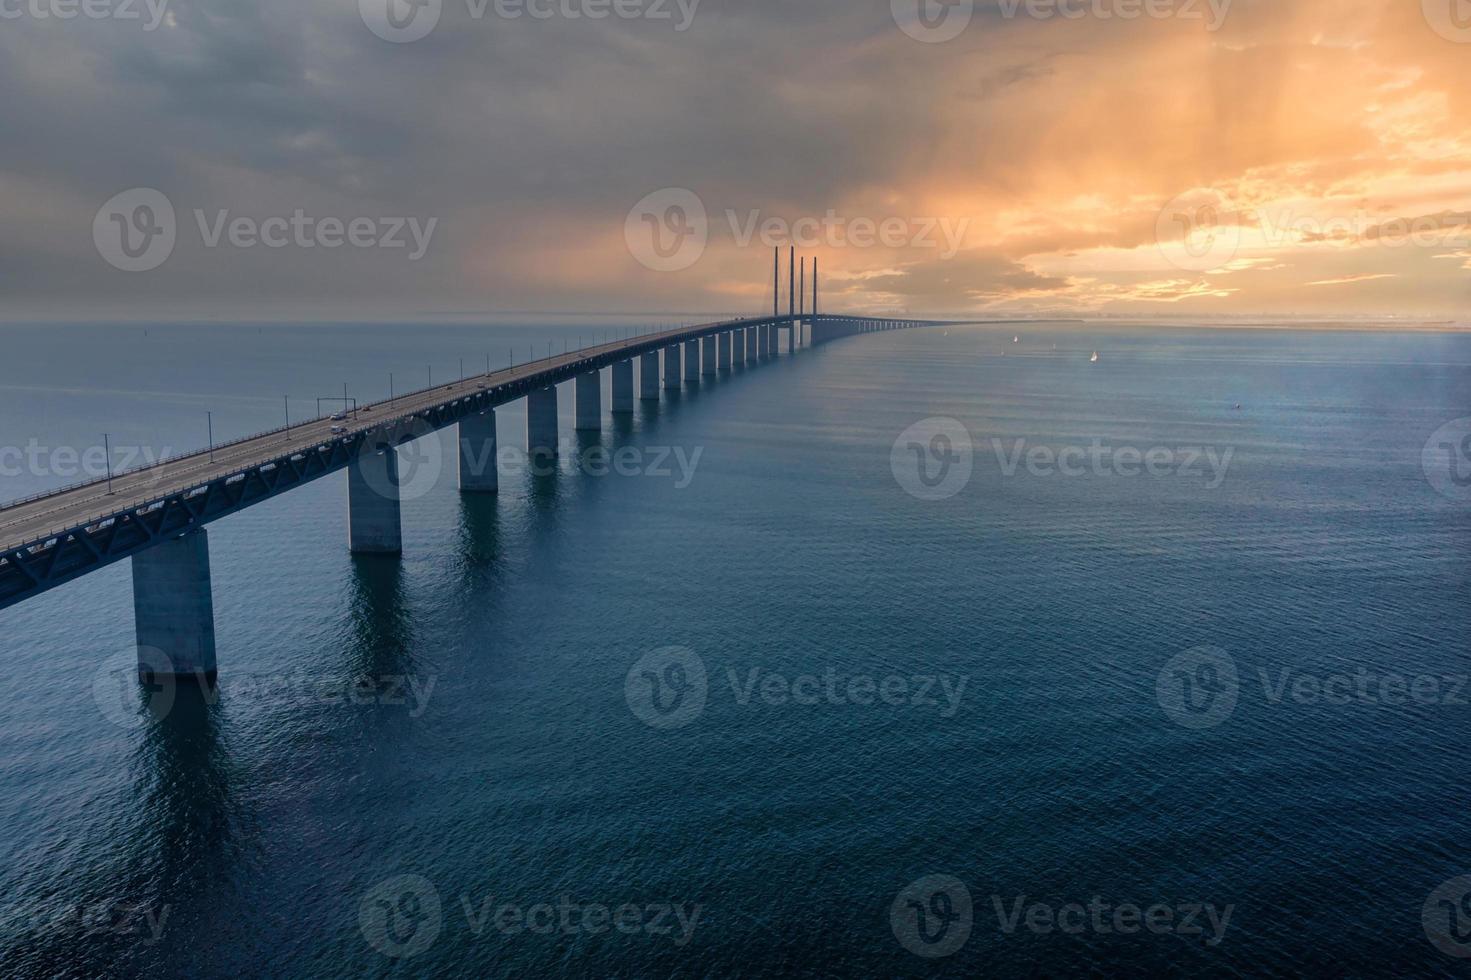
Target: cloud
1367, 277
1300, 130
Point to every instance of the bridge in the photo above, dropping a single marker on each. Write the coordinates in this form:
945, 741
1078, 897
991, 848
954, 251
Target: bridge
156, 515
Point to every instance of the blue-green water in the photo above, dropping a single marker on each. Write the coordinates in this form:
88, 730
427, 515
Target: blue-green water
1026, 631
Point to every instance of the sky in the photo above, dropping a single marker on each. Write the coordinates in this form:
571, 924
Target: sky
333, 159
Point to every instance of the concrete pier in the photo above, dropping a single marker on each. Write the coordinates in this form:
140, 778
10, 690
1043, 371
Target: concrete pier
708, 357
173, 609
723, 351
541, 422
692, 360
751, 333
738, 346
373, 525
623, 388
671, 367
477, 453
648, 376
761, 338
589, 398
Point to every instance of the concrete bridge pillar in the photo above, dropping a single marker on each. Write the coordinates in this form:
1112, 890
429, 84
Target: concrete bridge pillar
738, 346
173, 609
373, 525
623, 387
763, 339
541, 422
477, 453
751, 341
692, 360
589, 396
722, 347
708, 357
648, 376
671, 366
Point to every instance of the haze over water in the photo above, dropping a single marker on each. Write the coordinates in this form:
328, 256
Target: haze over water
510, 765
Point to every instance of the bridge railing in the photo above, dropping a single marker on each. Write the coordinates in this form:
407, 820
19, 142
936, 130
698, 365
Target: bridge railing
282, 429
655, 340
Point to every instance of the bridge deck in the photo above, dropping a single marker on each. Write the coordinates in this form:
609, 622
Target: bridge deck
60, 535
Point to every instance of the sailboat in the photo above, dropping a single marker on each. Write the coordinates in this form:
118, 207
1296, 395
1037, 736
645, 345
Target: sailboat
1094, 358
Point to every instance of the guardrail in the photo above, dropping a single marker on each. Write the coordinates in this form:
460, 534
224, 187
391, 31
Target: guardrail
644, 343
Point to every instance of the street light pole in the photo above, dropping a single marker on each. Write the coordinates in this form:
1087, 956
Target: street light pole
107, 451
210, 421
286, 403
